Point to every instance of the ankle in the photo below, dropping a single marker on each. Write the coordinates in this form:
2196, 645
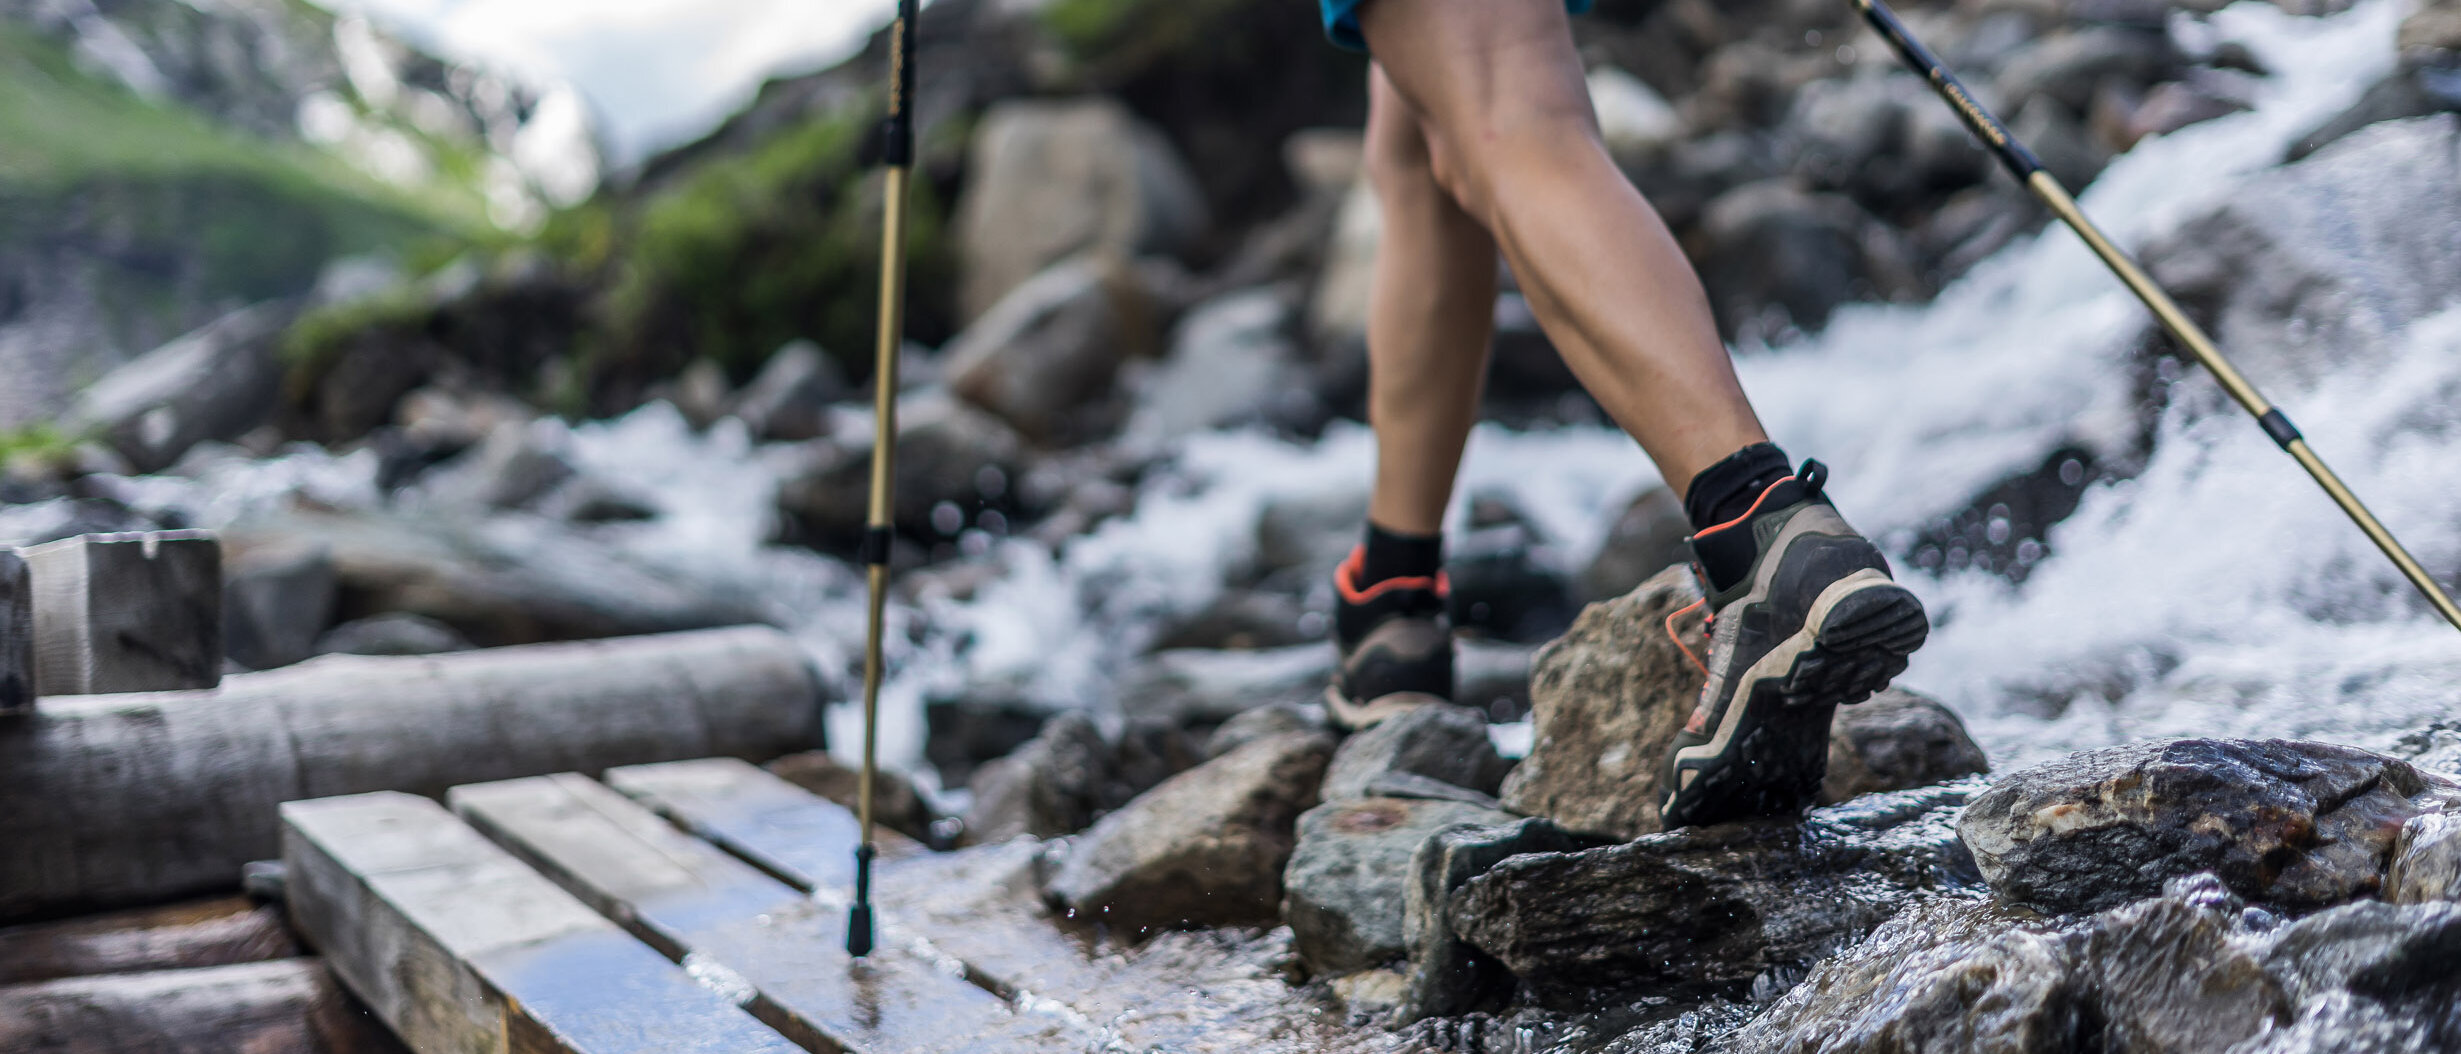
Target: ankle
1387, 555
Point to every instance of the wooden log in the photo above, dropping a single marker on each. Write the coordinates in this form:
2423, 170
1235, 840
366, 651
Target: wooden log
127, 612
977, 907
16, 635
151, 797
217, 932
456, 946
700, 905
291, 1006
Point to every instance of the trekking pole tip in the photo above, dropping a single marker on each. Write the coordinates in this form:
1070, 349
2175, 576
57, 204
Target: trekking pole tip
859, 930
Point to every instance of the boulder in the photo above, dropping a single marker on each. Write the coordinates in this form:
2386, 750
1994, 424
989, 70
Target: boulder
1049, 787
895, 801
1413, 785
1337, 307
1271, 719
2312, 267
516, 464
1636, 122
2431, 36
2301, 825
276, 605
1446, 976
1648, 537
1343, 888
2426, 861
1206, 848
1438, 741
789, 400
2404, 93
1774, 255
1701, 908
1947, 975
2435, 748
396, 633
962, 733
1504, 585
947, 451
2068, 68
1230, 362
218, 382
2383, 951
2173, 974
1606, 699
1048, 179
1239, 620
1897, 740
1045, 357
1202, 685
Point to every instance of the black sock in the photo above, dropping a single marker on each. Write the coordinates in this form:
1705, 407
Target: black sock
1727, 489
1393, 555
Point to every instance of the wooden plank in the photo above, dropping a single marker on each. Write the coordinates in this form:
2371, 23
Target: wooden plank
216, 932
154, 796
127, 612
16, 634
459, 947
701, 905
290, 1005
979, 907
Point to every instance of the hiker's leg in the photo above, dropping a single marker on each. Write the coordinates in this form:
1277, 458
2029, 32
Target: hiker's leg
1430, 312
1506, 115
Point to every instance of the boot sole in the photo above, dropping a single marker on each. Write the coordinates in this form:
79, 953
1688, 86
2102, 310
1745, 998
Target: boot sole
1778, 753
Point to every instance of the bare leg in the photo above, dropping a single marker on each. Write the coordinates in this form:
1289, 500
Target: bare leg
1505, 112
1430, 313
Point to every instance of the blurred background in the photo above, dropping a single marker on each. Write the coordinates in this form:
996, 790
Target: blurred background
550, 320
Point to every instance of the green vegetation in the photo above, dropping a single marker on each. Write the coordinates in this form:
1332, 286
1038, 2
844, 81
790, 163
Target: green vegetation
41, 444
1128, 34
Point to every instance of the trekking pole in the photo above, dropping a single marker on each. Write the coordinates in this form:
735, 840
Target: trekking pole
897, 152
2021, 164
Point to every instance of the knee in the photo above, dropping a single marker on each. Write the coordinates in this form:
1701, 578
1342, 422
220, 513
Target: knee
1482, 153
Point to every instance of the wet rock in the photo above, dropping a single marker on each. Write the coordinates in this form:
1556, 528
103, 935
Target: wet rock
2168, 975
960, 734
396, 633
514, 466
1774, 255
1231, 362
1708, 907
1303, 537
1446, 976
1343, 888
1206, 848
1646, 539
1241, 620
2426, 861
2431, 35
1413, 785
2062, 142
2402, 94
1271, 719
1150, 749
2313, 264
2173, 105
1048, 179
789, 400
449, 420
215, 383
1337, 306
1202, 686
895, 802
947, 451
1606, 699
1442, 742
1493, 676
2069, 67
1636, 122
2435, 748
1503, 586
1046, 356
1947, 975
275, 604
1049, 787
1897, 740
699, 392
2300, 825
2381, 951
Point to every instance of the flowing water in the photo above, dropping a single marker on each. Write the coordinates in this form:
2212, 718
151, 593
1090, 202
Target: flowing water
2216, 592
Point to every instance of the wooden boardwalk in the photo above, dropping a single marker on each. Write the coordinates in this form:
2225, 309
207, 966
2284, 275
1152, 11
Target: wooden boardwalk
701, 906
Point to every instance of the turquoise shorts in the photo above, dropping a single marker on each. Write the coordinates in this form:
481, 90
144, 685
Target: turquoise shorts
1341, 20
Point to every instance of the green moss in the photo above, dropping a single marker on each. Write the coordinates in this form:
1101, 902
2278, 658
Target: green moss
40, 444
318, 338
1126, 34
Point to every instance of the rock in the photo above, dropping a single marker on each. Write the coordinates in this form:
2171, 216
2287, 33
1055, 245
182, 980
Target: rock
2066, 148
1646, 539
1048, 179
1271, 719
1897, 740
1303, 537
513, 467
275, 605
1774, 255
2383, 951
1150, 749
2067, 68
1606, 700
2435, 748
699, 392
1049, 787
1230, 363
1448, 977
2426, 861
1504, 587
1947, 975
397, 633
1343, 889
215, 383
2402, 94
2301, 825
2315, 265
1324, 160
2169, 974
1202, 686
1837, 127
1705, 907
1044, 358
1337, 307
1413, 785
447, 419
1636, 122
1441, 742
1241, 620
2431, 36
961, 734
2173, 105
1493, 676
947, 451
1206, 848
897, 805
788, 401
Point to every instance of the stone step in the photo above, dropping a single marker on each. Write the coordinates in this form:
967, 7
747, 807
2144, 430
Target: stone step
716, 913
455, 945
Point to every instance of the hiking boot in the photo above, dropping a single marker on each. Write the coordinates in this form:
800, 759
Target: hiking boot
1803, 617
1396, 646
